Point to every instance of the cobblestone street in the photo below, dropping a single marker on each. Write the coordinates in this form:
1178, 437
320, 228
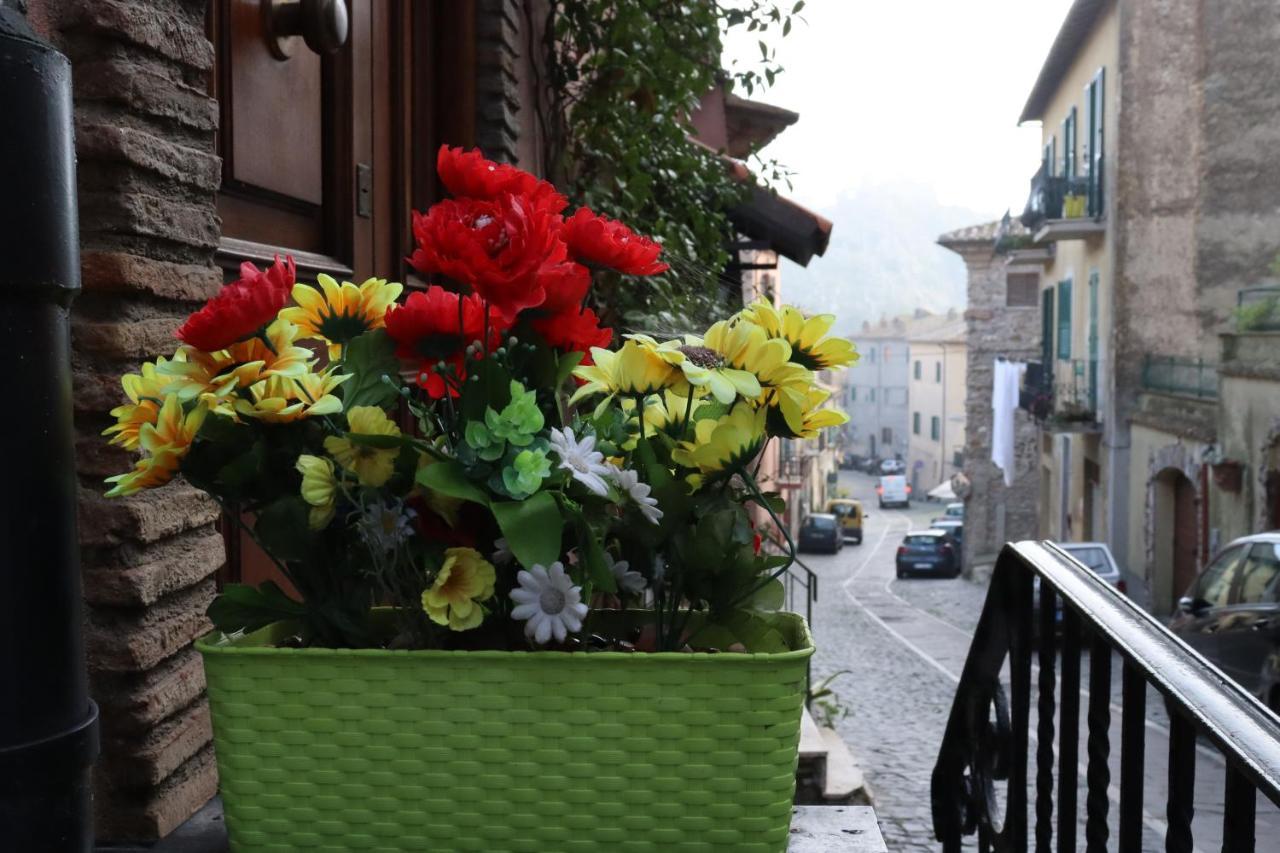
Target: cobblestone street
901, 645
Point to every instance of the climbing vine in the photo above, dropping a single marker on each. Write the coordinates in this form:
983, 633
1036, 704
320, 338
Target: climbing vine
623, 78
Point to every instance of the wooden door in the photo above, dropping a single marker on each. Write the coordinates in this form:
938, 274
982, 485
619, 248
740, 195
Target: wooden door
1184, 536
324, 156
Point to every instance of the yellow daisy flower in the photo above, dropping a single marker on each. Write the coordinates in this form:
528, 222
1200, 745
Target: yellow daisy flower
256, 361
280, 399
335, 313
373, 466
724, 443
810, 345
783, 383
704, 368
633, 370
814, 417
165, 443
465, 580
319, 488
146, 392
665, 412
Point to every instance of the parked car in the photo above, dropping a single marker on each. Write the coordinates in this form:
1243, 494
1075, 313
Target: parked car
1231, 614
852, 462
954, 526
955, 510
931, 551
894, 491
850, 514
1094, 555
821, 531
893, 466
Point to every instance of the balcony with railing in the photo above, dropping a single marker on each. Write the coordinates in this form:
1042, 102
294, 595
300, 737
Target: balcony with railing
1064, 208
1186, 377
1066, 399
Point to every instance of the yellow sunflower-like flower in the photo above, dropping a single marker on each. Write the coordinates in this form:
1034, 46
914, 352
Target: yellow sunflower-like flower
666, 412
146, 392
783, 383
464, 580
281, 399
811, 347
633, 370
724, 443
704, 368
335, 313
814, 416
164, 444
319, 488
373, 466
215, 376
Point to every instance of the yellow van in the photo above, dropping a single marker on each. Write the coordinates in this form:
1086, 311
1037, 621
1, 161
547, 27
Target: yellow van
850, 514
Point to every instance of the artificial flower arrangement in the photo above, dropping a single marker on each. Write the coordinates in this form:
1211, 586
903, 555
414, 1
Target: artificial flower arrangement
474, 458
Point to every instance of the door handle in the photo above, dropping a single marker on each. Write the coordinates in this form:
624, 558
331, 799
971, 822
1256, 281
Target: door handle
323, 25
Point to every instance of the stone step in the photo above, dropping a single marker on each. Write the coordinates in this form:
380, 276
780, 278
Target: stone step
844, 782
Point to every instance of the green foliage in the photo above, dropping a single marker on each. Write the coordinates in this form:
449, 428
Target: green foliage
532, 528
625, 78
242, 608
375, 370
524, 473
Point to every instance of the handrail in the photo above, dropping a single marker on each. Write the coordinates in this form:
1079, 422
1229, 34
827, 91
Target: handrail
808, 582
1201, 700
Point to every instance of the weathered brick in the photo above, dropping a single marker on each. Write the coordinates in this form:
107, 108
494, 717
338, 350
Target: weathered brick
145, 517
121, 814
119, 272
149, 25
146, 151
145, 91
151, 216
126, 640
167, 566
132, 338
144, 761
132, 702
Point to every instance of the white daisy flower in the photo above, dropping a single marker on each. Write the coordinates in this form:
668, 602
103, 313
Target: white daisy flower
385, 525
581, 459
549, 603
629, 483
627, 580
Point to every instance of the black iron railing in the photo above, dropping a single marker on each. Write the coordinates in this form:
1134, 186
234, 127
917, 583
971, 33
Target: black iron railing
978, 750
1076, 397
1056, 197
799, 581
1193, 377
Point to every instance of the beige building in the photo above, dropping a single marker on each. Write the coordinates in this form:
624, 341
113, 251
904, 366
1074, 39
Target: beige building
937, 362
1152, 215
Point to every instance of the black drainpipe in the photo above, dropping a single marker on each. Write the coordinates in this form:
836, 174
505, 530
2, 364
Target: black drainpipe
48, 724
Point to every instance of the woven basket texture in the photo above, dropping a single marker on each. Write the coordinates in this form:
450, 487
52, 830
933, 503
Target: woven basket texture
355, 750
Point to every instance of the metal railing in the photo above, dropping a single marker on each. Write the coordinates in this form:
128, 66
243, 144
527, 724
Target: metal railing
977, 752
799, 579
1057, 197
1258, 309
1191, 376
1076, 392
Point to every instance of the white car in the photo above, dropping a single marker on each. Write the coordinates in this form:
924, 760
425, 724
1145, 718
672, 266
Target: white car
894, 491
893, 466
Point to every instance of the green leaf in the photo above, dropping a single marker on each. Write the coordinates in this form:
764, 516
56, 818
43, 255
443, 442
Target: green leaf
593, 558
368, 358
450, 480
240, 607
770, 597
532, 528
755, 632
565, 366
282, 529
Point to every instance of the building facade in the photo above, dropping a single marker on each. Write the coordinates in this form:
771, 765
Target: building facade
937, 362
1153, 215
1002, 322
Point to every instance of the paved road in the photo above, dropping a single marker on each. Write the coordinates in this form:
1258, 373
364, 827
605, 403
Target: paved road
901, 645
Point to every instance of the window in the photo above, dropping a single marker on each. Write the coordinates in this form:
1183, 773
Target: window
937, 371
1021, 289
915, 423
1050, 157
871, 395
853, 393
1069, 145
1094, 141
886, 435
871, 355
1257, 575
1064, 319
935, 427
1214, 586
917, 374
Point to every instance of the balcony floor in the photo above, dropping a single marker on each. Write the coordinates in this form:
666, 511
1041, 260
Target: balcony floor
1080, 228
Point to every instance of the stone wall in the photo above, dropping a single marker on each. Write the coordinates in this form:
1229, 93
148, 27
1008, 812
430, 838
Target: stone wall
148, 226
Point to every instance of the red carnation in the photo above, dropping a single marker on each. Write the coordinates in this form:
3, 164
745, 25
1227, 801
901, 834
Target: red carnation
495, 247
604, 242
426, 331
467, 174
574, 330
241, 309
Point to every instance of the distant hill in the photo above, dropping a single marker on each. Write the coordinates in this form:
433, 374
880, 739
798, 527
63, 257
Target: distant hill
883, 258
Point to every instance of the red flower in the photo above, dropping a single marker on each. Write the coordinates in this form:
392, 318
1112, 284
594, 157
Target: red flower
427, 331
241, 308
494, 247
574, 330
564, 285
467, 174
604, 242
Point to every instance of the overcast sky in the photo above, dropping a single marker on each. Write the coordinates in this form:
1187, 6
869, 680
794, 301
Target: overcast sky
924, 90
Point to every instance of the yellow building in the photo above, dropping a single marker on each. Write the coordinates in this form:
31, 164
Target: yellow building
937, 363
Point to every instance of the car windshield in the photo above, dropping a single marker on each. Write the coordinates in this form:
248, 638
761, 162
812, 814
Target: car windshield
1094, 558
842, 509
822, 522
922, 540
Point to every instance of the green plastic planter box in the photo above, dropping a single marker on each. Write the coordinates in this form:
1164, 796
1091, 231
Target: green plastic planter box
351, 750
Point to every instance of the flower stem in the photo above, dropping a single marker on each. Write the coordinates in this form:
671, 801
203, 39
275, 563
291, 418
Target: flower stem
786, 535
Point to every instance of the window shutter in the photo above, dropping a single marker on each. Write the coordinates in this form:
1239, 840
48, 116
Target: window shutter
1097, 110
1064, 319
915, 423
1046, 330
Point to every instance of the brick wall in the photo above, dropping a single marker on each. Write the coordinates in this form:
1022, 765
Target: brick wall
148, 225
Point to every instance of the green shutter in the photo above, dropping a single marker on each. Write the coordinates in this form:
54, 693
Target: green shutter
1046, 330
1097, 101
935, 428
1064, 319
915, 423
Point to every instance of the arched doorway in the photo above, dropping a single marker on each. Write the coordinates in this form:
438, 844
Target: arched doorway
1174, 532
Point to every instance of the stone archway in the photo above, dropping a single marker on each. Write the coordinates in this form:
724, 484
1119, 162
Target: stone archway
1268, 493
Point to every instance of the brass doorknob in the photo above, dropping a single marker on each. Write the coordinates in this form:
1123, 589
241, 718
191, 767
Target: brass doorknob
322, 24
